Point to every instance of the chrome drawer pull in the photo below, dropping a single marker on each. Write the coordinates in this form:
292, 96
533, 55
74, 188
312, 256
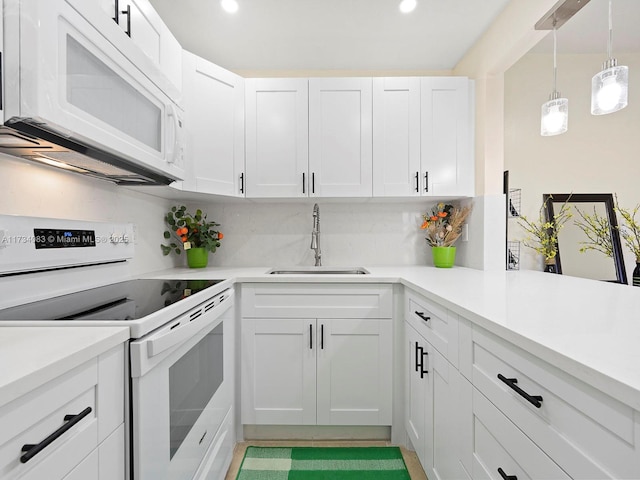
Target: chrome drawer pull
505, 476
422, 316
535, 400
31, 450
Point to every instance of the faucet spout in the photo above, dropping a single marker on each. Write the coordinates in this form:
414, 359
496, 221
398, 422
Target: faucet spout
315, 236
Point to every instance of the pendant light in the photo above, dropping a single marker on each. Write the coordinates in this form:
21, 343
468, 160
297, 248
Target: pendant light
555, 113
609, 88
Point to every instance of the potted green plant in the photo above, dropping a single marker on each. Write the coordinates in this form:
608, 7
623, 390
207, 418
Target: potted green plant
443, 226
543, 233
630, 233
192, 233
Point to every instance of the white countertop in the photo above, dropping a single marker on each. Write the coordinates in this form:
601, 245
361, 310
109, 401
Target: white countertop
587, 328
31, 356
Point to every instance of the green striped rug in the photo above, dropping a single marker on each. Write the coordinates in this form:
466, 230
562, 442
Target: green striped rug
323, 463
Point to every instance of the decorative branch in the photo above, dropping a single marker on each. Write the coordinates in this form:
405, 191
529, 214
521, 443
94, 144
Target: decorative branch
598, 231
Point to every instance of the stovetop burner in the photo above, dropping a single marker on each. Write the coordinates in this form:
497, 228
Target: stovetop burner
130, 300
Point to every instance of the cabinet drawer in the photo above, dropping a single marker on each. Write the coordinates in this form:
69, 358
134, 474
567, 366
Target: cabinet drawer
33, 417
589, 434
288, 300
435, 323
498, 446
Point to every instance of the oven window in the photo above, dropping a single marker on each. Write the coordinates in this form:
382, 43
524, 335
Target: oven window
193, 380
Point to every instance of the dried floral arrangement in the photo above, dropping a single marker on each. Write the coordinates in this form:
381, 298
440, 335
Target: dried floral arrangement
443, 225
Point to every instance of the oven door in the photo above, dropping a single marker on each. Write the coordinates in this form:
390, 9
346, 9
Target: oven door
182, 388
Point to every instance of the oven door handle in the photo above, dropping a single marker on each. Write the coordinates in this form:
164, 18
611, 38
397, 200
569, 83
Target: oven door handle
178, 331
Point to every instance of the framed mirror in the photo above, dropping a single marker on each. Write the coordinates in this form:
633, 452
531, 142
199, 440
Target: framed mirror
589, 263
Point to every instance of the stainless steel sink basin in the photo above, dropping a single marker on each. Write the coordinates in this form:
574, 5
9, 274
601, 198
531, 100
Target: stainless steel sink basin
319, 270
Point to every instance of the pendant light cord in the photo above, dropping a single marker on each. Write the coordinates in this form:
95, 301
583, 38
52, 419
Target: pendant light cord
555, 64
609, 49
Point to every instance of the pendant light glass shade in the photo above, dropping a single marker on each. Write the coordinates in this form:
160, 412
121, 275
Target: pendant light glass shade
610, 87
554, 118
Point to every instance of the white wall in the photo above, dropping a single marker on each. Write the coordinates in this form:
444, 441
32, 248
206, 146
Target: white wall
33, 190
599, 154
363, 232
360, 232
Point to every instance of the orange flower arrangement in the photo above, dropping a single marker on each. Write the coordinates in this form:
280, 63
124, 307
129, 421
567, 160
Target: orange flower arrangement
443, 224
194, 231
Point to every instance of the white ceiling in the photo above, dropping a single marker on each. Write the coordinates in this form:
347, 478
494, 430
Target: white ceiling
330, 34
588, 30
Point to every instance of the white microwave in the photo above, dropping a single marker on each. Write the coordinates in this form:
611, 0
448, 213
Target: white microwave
72, 99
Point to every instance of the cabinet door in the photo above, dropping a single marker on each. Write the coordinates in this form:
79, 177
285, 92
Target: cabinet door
448, 418
277, 142
396, 137
139, 20
214, 109
418, 389
340, 137
279, 372
447, 136
354, 371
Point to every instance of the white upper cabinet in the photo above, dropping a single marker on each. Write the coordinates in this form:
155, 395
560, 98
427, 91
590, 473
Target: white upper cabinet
340, 137
447, 136
396, 137
214, 117
423, 137
277, 137
138, 20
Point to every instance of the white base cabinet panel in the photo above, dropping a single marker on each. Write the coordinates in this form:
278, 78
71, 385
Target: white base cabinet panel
278, 371
92, 448
434, 418
354, 372
307, 359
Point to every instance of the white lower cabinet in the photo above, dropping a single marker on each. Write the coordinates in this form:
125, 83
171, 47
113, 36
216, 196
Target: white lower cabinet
303, 370
501, 450
433, 414
74, 425
588, 434
316, 371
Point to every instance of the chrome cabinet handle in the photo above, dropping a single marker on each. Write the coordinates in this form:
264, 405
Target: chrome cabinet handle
31, 450
535, 400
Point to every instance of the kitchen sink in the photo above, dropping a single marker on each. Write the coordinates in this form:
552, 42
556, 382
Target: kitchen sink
319, 270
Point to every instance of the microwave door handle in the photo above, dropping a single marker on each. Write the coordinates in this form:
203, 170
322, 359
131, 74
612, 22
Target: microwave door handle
172, 155
178, 332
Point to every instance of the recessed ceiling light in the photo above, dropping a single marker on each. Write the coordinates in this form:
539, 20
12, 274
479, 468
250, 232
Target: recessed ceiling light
230, 6
407, 6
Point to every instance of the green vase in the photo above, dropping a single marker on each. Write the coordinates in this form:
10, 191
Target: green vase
197, 257
443, 257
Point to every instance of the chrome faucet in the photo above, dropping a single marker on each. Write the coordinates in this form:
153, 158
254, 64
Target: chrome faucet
315, 235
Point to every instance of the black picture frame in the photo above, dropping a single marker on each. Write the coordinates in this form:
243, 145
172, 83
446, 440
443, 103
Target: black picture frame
607, 200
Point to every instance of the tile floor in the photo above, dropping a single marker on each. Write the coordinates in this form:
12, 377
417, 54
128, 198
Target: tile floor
410, 458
